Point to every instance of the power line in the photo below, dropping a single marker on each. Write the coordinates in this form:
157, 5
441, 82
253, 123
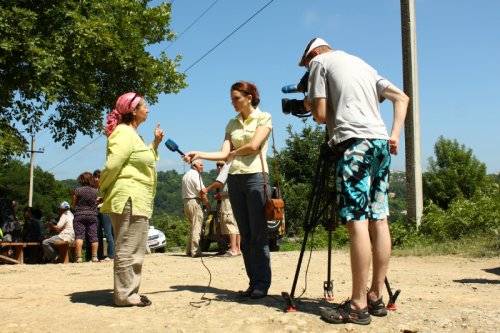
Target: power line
88, 144
191, 66
232, 33
189, 27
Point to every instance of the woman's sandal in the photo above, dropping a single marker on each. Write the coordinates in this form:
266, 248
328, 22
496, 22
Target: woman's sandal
344, 313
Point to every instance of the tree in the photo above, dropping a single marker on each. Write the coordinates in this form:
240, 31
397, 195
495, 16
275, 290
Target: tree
63, 63
168, 198
47, 191
455, 172
297, 162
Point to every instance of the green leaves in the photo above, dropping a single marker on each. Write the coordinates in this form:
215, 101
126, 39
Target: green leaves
453, 174
63, 64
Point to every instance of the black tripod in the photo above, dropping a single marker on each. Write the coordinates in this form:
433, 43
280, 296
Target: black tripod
322, 204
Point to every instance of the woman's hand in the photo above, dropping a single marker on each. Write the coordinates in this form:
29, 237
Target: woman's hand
191, 156
158, 136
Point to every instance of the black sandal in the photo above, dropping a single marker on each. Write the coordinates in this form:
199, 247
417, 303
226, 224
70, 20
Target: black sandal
245, 293
377, 308
256, 294
344, 313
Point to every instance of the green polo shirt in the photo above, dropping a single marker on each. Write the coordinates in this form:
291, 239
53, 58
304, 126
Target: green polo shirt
129, 172
241, 133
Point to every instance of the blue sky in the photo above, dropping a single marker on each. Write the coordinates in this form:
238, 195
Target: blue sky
458, 44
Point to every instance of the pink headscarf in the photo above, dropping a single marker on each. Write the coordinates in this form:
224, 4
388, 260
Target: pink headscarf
126, 103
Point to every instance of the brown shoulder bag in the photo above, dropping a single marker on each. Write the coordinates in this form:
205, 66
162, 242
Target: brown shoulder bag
274, 208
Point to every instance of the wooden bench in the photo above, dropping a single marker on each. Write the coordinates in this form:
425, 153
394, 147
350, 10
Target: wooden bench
18, 251
66, 251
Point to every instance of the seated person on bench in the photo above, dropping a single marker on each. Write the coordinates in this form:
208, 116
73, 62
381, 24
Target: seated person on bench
11, 229
65, 229
33, 232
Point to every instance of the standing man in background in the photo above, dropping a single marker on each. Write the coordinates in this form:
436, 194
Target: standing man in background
193, 198
228, 224
344, 92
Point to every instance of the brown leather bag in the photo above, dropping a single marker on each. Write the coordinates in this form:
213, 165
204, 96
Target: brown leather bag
274, 208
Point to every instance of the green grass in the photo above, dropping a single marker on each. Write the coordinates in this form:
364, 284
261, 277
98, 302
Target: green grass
474, 246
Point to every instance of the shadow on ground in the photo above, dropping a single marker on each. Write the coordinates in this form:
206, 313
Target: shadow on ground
306, 305
93, 297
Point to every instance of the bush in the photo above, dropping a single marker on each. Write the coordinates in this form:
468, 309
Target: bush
403, 233
176, 230
480, 215
319, 239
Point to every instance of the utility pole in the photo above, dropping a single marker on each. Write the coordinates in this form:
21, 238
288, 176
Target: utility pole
32, 165
414, 199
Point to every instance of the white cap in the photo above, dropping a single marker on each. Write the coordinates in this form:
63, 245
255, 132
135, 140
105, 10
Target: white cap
313, 43
64, 205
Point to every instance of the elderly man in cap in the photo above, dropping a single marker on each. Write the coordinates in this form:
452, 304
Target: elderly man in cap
344, 92
64, 228
193, 198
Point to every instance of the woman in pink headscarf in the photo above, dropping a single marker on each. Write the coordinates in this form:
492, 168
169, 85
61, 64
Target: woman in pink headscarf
128, 186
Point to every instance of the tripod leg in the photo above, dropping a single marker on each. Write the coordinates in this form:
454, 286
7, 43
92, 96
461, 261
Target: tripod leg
290, 303
391, 305
316, 207
328, 284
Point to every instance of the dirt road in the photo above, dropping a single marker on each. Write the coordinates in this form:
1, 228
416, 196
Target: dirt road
439, 294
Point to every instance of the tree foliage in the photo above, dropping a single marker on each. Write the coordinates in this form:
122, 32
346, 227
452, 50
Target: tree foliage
168, 199
63, 63
47, 191
297, 163
454, 173
299, 158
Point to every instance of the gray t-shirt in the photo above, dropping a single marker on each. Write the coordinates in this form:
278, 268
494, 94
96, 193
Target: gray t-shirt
353, 91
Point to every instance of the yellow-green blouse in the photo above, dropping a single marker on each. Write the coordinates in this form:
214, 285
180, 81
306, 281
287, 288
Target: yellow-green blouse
242, 133
129, 172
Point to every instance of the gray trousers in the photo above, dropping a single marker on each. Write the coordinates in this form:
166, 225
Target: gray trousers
50, 251
131, 236
194, 213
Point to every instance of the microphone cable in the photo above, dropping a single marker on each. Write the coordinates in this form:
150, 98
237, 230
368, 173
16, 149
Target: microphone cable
307, 267
204, 301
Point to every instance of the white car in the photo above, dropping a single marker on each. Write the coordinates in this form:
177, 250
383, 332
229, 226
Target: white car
156, 240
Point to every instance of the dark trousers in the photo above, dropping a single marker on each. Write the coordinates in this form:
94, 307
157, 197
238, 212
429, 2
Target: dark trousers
103, 223
246, 193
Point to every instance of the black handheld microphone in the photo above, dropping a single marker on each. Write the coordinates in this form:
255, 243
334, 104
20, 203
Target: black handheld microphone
171, 145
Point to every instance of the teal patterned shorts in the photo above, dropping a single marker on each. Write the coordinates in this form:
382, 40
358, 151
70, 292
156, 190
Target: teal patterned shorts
363, 180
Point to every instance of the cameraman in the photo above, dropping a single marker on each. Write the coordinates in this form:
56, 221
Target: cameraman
344, 92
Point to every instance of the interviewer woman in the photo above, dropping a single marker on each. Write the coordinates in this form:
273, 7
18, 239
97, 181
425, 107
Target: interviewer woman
246, 137
128, 186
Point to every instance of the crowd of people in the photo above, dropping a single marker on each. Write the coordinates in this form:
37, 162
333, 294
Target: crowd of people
84, 222
343, 92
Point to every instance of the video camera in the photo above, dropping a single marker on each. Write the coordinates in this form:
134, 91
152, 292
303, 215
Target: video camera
295, 106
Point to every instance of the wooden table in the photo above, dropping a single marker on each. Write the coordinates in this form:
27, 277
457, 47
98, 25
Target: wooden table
18, 251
